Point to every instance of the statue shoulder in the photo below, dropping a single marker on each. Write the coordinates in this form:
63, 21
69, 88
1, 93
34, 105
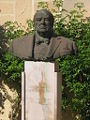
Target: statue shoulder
20, 43
64, 39
68, 44
24, 38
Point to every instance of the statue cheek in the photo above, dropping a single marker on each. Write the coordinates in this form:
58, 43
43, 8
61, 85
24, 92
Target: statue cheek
36, 24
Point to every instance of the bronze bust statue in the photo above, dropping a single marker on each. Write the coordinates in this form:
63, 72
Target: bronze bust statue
42, 45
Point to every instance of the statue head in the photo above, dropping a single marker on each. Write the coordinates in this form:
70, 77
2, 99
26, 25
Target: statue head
43, 22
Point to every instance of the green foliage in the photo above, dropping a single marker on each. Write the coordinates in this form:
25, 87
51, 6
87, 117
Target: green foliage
11, 67
75, 69
13, 30
43, 5
58, 3
29, 29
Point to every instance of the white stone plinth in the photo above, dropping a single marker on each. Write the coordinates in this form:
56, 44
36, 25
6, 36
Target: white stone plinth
41, 92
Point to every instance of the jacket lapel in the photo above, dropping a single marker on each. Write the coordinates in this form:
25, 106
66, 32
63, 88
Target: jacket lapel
54, 44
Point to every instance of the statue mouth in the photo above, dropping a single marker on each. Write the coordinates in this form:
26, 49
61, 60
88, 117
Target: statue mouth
43, 27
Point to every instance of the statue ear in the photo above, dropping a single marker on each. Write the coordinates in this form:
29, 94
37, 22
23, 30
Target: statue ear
34, 25
34, 22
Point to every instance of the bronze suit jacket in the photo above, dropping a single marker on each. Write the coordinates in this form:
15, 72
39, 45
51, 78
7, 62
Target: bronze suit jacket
58, 46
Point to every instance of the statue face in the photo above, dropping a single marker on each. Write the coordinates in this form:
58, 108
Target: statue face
43, 22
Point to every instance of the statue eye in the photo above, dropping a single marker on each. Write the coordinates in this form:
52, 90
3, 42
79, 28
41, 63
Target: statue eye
46, 19
38, 19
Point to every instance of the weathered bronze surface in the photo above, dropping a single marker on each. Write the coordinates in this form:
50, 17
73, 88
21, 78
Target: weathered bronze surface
43, 45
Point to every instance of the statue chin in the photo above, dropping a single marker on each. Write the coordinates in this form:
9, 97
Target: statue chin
42, 33
43, 30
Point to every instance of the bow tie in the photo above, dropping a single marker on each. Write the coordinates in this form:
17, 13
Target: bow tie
46, 41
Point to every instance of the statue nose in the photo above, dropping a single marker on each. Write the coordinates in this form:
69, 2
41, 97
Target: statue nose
43, 20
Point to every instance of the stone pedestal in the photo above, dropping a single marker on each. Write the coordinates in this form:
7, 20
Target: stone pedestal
41, 91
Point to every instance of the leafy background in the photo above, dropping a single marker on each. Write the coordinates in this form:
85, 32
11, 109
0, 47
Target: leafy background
75, 69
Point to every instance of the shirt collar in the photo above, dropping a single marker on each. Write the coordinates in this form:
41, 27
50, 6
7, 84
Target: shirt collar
39, 39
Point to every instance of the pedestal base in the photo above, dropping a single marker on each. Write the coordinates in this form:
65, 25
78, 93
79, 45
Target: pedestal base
41, 91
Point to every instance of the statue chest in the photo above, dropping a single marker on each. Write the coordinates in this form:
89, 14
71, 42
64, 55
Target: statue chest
41, 51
